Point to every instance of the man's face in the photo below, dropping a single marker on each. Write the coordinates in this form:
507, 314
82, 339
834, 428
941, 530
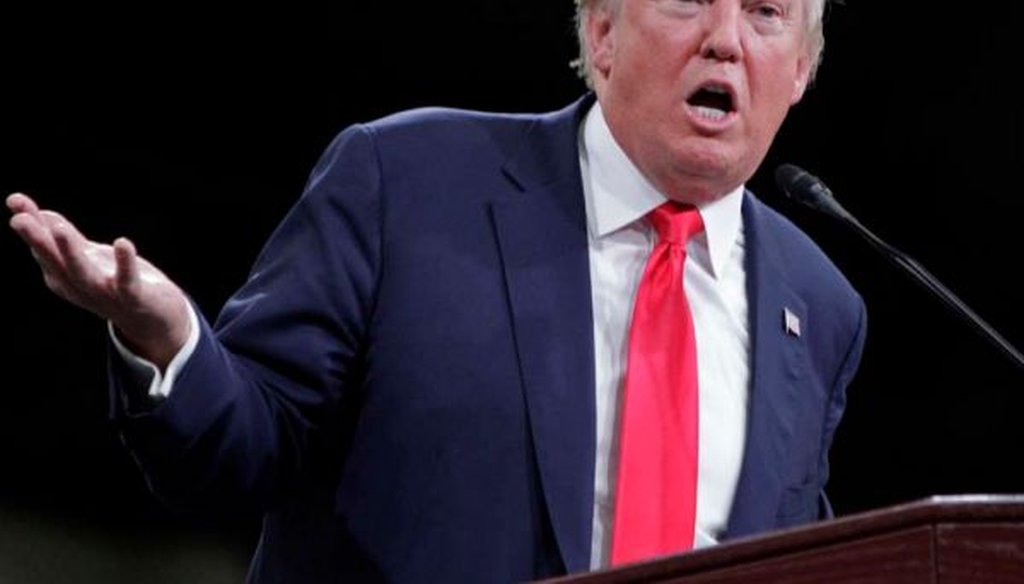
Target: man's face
695, 90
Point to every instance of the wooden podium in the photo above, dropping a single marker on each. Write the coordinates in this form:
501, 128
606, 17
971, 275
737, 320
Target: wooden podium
941, 540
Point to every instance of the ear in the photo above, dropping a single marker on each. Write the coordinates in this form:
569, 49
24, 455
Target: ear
600, 40
802, 78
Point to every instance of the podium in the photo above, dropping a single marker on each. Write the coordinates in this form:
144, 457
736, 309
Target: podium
941, 540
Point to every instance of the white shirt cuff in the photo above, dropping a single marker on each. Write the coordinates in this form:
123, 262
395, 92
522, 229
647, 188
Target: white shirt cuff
160, 384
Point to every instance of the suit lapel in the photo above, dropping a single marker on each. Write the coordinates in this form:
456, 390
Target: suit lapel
542, 238
777, 355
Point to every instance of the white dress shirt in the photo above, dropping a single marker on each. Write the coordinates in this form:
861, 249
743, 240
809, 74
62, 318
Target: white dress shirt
617, 199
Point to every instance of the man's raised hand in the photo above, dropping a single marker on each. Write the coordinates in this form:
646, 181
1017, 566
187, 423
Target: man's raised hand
148, 310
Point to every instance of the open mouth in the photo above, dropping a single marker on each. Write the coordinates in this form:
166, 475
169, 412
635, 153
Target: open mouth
713, 101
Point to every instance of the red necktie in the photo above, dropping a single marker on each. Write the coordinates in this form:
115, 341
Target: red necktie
656, 492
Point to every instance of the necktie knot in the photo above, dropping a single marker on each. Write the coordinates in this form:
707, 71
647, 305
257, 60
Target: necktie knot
675, 222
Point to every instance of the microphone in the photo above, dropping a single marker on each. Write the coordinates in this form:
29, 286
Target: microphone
802, 186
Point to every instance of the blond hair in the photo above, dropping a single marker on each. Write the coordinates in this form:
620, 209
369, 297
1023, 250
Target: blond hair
815, 33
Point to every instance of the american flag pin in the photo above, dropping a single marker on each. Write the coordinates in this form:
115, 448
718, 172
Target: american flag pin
791, 322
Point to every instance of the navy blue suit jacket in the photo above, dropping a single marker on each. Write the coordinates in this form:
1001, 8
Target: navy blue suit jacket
406, 381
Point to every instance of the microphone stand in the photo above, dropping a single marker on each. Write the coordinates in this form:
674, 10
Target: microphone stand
933, 285
823, 201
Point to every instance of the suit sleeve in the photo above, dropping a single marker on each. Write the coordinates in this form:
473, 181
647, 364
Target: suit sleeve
837, 404
285, 361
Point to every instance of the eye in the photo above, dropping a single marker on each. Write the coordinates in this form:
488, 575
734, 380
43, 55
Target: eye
769, 16
686, 7
767, 10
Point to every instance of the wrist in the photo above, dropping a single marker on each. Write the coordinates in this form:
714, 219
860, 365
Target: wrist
156, 340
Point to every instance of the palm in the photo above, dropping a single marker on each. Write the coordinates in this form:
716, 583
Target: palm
106, 297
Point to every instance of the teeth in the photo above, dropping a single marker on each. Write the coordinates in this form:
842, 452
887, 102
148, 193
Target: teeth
717, 89
710, 113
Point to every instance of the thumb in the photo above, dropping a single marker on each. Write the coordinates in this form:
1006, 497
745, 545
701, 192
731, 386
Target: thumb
126, 277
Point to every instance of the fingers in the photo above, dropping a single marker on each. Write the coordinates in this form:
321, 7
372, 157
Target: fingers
89, 274
19, 203
83, 272
55, 242
38, 236
64, 245
25, 213
58, 247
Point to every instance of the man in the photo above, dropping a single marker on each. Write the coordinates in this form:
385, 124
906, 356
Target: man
422, 378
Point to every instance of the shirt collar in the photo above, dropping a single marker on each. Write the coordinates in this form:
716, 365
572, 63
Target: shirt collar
618, 194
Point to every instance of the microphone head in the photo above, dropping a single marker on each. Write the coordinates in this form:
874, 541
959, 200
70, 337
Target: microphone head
802, 186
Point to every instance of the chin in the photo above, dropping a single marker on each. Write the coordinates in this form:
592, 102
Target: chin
705, 156
705, 175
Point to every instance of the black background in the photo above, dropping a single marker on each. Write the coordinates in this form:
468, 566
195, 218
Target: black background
192, 131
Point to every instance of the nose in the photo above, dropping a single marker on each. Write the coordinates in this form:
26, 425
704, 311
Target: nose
722, 40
